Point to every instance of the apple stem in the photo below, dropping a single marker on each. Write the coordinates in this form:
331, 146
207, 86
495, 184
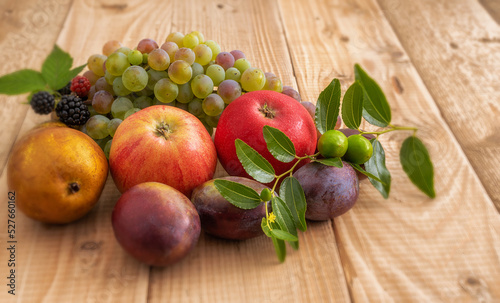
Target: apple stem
163, 130
268, 113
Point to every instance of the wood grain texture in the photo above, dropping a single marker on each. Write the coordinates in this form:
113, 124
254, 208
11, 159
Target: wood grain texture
458, 59
22, 24
493, 8
408, 248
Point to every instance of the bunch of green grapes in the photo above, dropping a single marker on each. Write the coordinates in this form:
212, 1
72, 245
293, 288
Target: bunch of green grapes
186, 71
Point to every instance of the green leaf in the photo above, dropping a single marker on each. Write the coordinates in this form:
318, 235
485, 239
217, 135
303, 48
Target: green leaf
253, 163
56, 68
352, 106
376, 109
238, 194
283, 235
265, 228
75, 71
20, 82
376, 166
417, 165
337, 162
293, 195
279, 245
284, 218
278, 144
327, 107
364, 172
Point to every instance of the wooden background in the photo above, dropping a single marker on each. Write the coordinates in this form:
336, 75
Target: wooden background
438, 62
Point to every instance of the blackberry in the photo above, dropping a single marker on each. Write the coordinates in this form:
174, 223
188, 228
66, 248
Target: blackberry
42, 103
71, 110
65, 90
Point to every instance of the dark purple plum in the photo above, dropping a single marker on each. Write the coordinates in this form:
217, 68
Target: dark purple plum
156, 223
222, 219
330, 191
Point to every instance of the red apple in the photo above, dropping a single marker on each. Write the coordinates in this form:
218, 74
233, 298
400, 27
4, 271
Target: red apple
156, 223
245, 117
162, 144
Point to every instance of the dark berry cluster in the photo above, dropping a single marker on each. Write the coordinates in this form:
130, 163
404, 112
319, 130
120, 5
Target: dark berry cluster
42, 103
72, 111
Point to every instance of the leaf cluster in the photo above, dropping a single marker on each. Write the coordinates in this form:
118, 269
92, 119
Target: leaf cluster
55, 74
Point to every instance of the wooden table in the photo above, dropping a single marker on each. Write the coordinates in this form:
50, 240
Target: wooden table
438, 62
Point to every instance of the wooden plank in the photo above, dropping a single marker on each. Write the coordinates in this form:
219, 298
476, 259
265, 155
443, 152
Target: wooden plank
493, 7
225, 271
458, 59
29, 30
408, 248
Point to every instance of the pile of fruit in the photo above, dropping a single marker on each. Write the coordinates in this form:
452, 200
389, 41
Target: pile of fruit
151, 111
186, 71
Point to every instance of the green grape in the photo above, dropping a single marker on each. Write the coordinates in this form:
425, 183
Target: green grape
197, 69
209, 128
131, 112
142, 102
212, 120
216, 73
195, 107
109, 78
183, 106
119, 88
273, 83
96, 64
158, 59
83, 129
145, 92
102, 142
113, 125
91, 76
166, 91
214, 47
185, 93
124, 50
117, 63
145, 57
110, 47
202, 86
120, 107
107, 148
155, 76
102, 102
213, 105
97, 127
253, 79
233, 73
190, 41
180, 72
203, 54
200, 36
135, 57
185, 54
242, 65
229, 90
135, 78
205, 67
175, 37
171, 48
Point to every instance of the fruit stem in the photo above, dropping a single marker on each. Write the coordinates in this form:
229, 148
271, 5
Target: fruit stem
393, 128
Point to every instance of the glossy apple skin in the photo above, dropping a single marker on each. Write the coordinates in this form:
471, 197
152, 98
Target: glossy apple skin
330, 191
222, 219
244, 118
162, 144
156, 223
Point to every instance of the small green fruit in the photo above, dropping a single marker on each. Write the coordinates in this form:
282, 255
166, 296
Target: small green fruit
333, 144
265, 194
359, 151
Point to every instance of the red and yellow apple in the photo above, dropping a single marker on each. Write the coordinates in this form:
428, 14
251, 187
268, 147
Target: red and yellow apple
162, 144
244, 119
